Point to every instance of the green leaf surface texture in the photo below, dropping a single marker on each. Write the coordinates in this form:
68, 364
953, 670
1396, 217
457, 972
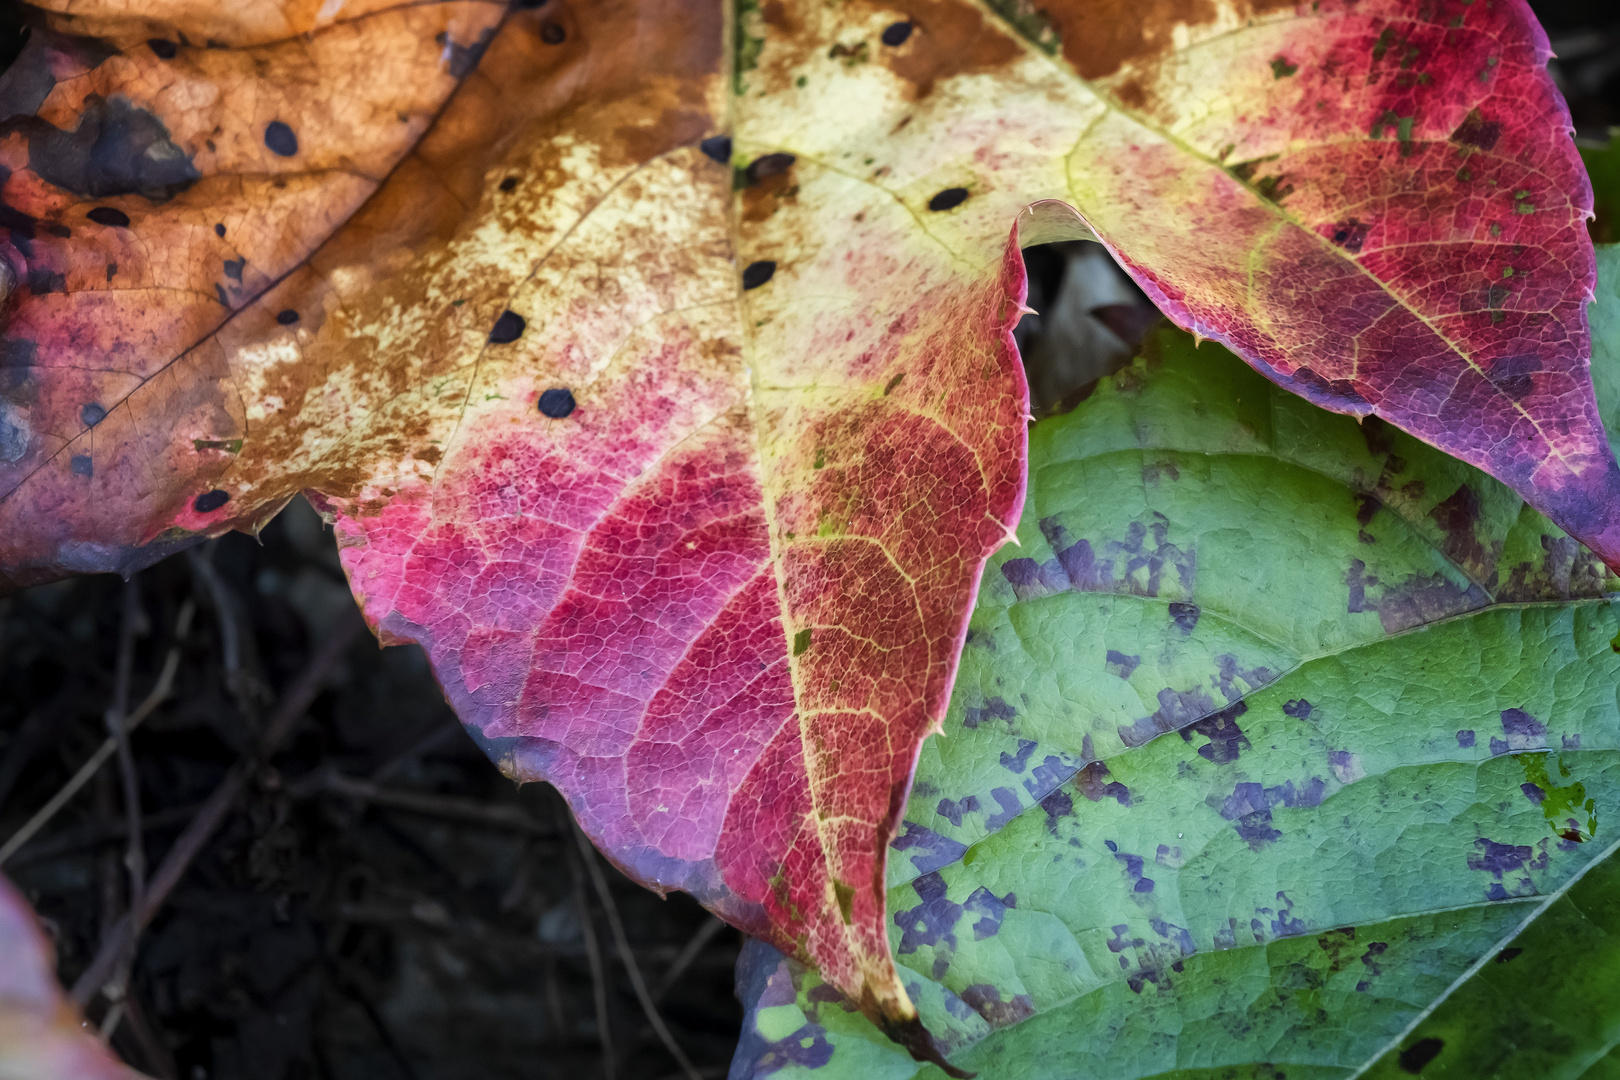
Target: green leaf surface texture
1269, 728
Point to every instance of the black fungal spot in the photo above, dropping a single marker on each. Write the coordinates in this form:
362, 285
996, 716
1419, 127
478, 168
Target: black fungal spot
1299, 709
92, 414
233, 268
1419, 1054
116, 149
717, 148
41, 282
1350, 235
209, 501
557, 403
219, 229
767, 166
219, 291
1508, 954
508, 328
280, 139
1513, 374
895, 34
81, 465
1184, 616
162, 48
530, 5
553, 34
57, 229
509, 183
112, 270
109, 215
464, 58
948, 199
757, 274
1475, 130
286, 316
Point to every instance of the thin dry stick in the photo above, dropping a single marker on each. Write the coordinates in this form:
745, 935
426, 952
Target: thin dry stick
513, 818
622, 944
593, 955
130, 627
684, 958
165, 683
185, 848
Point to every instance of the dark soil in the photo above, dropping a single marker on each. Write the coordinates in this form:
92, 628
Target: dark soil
319, 934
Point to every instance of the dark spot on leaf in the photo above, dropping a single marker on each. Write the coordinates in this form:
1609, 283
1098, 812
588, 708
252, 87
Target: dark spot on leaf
233, 268
162, 48
1092, 782
92, 414
552, 33
717, 148
986, 1001
1475, 130
801, 641
507, 329
115, 149
509, 183
219, 229
280, 139
41, 282
1508, 954
557, 403
1226, 739
1419, 1054
209, 501
991, 908
1465, 738
1513, 374
110, 216
948, 199
994, 708
889, 386
1184, 616
1281, 68
1299, 709
1121, 664
530, 5
1010, 805
464, 58
758, 273
931, 922
81, 465
112, 270
1057, 805
929, 850
895, 34
286, 316
1350, 235
766, 166
1018, 762
219, 291
952, 810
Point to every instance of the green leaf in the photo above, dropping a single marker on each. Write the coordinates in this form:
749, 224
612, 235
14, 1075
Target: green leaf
1270, 728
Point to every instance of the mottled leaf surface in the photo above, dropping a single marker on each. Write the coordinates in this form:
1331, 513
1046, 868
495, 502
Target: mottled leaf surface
42, 1036
1542, 1005
664, 390
1272, 726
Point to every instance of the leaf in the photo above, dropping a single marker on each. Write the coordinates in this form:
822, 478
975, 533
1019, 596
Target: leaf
1272, 726
42, 1036
666, 394
1543, 1005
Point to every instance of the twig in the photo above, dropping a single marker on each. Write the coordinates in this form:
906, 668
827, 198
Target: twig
129, 628
90, 836
160, 691
593, 954
700, 941
330, 782
185, 848
622, 944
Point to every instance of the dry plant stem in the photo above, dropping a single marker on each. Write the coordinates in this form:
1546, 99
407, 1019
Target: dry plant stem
622, 944
159, 692
287, 714
130, 627
593, 954
683, 960
509, 818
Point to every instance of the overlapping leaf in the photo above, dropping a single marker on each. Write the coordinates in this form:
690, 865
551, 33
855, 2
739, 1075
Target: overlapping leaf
665, 393
42, 1036
1273, 725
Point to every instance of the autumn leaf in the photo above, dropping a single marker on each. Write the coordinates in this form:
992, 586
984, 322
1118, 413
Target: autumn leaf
42, 1036
665, 392
1271, 729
